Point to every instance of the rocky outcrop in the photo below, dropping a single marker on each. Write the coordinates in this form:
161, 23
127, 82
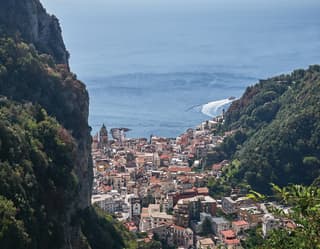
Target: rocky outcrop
29, 18
27, 75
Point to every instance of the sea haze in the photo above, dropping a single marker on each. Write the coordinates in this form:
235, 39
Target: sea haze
159, 67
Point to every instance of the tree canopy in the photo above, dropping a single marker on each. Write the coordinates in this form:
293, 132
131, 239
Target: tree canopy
277, 138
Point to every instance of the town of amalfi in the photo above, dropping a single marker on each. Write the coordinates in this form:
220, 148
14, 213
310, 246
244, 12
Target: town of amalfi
157, 187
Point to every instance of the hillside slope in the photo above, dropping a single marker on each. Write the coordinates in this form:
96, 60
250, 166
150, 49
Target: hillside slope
278, 121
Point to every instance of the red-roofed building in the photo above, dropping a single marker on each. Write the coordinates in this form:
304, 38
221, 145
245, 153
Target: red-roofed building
164, 157
218, 166
229, 239
289, 224
240, 226
105, 188
164, 160
131, 227
187, 193
232, 243
228, 234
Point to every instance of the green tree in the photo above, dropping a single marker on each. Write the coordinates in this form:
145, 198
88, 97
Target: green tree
305, 212
12, 233
150, 245
206, 227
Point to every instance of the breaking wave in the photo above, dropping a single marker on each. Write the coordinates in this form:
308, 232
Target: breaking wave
215, 108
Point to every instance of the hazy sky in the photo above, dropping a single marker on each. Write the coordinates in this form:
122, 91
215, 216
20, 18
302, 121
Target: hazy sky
92, 7
117, 34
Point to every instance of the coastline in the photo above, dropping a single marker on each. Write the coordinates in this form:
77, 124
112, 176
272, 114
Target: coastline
209, 111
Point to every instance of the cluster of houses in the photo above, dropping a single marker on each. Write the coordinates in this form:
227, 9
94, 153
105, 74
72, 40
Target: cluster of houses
150, 185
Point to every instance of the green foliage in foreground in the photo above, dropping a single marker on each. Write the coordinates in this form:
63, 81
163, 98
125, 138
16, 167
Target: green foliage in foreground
254, 239
305, 212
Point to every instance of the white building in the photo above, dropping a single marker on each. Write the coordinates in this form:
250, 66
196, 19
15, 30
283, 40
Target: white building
269, 222
111, 202
105, 202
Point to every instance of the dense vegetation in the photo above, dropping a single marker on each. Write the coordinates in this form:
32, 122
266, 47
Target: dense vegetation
277, 132
26, 75
37, 181
104, 231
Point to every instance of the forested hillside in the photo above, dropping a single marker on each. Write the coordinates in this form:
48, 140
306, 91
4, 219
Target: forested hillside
277, 132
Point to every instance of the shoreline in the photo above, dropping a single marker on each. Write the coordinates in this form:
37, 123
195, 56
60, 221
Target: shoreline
209, 110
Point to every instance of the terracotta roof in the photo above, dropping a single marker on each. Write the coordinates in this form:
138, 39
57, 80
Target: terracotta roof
144, 215
164, 157
240, 223
217, 166
140, 159
206, 241
228, 233
179, 169
147, 240
154, 180
131, 226
290, 224
178, 227
190, 190
232, 241
204, 190
105, 188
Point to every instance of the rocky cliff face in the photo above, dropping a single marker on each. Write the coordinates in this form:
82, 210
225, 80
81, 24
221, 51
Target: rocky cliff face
29, 18
41, 76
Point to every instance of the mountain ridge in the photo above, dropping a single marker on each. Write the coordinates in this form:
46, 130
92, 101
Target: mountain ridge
30, 20
277, 132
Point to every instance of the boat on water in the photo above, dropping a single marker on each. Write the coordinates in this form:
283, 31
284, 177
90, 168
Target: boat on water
231, 98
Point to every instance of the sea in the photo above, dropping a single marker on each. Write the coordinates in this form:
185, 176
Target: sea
159, 67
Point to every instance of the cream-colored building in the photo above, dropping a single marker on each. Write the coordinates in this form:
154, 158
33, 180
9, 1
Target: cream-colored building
152, 217
206, 243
